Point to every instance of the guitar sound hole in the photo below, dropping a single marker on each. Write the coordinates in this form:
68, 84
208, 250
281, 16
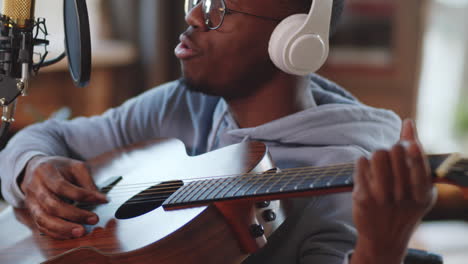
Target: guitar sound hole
147, 200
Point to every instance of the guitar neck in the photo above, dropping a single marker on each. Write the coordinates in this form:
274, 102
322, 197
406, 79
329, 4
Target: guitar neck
294, 183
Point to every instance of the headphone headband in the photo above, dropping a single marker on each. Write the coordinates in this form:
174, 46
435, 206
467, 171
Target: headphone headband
320, 12
299, 44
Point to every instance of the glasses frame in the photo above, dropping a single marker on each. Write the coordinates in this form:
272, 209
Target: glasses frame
224, 10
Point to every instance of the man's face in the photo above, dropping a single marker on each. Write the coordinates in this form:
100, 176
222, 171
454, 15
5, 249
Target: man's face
223, 61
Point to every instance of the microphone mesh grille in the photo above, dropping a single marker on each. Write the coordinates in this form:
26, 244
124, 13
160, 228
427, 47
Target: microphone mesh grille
19, 10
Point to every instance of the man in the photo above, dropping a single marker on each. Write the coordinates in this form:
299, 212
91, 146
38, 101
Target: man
232, 92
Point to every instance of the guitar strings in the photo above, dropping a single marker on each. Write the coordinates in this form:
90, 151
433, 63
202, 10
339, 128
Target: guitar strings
150, 197
147, 196
311, 169
115, 204
158, 192
169, 188
285, 176
111, 204
304, 169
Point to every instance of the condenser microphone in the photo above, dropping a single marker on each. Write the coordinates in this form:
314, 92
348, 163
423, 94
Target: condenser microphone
20, 32
19, 11
16, 43
16, 56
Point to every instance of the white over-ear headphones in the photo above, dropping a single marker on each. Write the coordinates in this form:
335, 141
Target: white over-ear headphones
299, 44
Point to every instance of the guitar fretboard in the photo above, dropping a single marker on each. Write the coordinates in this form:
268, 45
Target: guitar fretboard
267, 184
444, 168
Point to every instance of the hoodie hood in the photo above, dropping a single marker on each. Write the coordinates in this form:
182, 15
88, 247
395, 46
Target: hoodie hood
339, 119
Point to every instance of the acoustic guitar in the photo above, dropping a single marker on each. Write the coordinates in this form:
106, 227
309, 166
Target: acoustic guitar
166, 207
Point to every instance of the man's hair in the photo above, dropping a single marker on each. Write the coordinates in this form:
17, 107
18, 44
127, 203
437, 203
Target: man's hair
303, 6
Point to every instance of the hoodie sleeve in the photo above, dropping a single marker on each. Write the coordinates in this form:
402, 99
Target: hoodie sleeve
139, 119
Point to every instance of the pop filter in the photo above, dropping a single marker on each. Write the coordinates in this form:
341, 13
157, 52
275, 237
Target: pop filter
77, 40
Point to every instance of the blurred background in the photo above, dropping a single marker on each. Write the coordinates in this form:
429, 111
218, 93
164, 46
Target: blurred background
406, 55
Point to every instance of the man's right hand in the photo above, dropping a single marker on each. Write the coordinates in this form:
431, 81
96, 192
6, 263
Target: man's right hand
392, 192
47, 182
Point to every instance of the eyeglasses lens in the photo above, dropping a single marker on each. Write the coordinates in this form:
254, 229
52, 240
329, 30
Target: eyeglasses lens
213, 11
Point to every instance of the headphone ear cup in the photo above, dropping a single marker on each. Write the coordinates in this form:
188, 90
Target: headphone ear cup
295, 53
282, 37
308, 53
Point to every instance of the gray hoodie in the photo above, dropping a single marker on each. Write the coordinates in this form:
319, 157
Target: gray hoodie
337, 129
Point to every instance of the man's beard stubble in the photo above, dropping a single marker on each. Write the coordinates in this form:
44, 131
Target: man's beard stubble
242, 87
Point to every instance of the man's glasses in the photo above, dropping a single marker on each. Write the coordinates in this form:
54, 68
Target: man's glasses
215, 10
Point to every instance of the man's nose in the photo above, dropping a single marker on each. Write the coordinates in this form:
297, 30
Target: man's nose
195, 18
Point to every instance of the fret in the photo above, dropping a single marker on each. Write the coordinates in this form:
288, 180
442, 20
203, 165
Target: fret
349, 180
224, 183
292, 181
200, 189
310, 180
213, 185
194, 191
338, 180
326, 179
250, 184
231, 184
321, 182
270, 181
343, 179
317, 178
178, 186
243, 180
331, 176
206, 188
257, 184
179, 195
281, 183
267, 183
302, 184
297, 178
173, 197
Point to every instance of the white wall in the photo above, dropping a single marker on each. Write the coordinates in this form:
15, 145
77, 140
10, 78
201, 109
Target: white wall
445, 53
52, 11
